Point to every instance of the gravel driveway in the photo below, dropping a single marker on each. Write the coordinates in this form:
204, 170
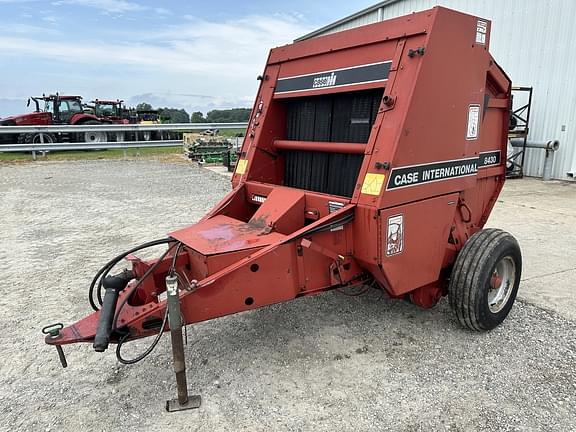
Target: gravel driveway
325, 363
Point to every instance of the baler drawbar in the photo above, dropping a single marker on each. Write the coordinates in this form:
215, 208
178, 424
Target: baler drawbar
372, 156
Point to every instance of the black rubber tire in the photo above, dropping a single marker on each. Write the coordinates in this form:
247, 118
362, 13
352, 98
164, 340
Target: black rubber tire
31, 137
471, 277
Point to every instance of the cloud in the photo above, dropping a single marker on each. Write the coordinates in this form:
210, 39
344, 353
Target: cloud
20, 28
198, 64
51, 19
108, 6
233, 48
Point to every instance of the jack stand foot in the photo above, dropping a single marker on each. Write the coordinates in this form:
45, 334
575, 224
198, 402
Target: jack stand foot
193, 403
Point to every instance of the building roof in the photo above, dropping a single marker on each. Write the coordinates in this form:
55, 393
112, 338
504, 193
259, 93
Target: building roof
346, 19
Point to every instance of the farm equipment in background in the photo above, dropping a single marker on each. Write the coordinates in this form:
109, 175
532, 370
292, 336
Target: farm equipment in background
113, 111
56, 110
148, 117
373, 156
518, 130
210, 148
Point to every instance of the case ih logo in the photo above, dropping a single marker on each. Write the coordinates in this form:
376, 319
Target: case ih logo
325, 81
362, 74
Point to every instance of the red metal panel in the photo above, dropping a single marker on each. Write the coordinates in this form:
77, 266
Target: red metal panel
224, 234
412, 251
282, 211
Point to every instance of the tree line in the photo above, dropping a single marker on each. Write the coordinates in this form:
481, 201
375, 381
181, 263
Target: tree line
174, 115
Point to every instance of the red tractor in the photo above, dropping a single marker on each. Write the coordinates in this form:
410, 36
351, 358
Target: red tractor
113, 111
57, 110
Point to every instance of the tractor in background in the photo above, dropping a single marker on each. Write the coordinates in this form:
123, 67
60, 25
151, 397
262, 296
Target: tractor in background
115, 112
56, 110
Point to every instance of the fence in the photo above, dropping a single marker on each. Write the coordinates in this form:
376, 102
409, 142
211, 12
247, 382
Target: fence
43, 144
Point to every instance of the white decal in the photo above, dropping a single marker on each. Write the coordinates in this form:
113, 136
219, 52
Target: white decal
473, 117
481, 29
324, 81
395, 238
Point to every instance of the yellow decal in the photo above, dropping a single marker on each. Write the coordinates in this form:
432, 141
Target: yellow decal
241, 166
373, 184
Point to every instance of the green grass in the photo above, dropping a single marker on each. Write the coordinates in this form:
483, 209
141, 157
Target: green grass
90, 155
229, 133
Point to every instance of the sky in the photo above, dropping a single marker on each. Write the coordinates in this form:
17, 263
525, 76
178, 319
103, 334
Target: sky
185, 54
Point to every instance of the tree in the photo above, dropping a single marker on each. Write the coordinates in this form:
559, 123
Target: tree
144, 106
229, 115
173, 115
197, 117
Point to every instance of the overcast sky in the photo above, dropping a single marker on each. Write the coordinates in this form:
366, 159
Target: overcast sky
197, 55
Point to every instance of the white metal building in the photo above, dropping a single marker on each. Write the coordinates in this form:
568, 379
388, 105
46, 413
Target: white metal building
533, 40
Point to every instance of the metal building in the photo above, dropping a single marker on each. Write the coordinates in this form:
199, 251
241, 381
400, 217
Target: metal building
533, 41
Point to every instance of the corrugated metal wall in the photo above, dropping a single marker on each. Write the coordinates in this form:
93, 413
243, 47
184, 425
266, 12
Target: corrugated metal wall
533, 40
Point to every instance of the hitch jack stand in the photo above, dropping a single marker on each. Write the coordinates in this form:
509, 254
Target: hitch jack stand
183, 402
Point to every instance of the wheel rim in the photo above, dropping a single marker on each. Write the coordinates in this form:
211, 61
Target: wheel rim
95, 137
501, 284
47, 139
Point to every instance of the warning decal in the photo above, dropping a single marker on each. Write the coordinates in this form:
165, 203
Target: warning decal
481, 30
373, 184
395, 236
473, 117
241, 166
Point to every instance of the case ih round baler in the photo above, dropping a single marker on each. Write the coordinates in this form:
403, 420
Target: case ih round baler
373, 155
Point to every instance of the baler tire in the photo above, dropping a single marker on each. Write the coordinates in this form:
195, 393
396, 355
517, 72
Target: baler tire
473, 276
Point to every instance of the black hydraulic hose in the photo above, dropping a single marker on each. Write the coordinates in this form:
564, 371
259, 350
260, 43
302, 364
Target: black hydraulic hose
174, 258
103, 272
148, 350
142, 279
164, 321
120, 257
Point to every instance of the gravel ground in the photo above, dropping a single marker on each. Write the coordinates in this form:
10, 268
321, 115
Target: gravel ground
325, 363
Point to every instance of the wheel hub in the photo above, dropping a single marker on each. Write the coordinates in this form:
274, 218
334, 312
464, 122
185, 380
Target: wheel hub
501, 284
95, 137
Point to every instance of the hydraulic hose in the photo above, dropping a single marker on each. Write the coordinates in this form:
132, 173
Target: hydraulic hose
103, 272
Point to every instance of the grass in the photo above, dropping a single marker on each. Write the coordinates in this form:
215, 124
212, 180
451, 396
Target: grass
90, 155
230, 133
